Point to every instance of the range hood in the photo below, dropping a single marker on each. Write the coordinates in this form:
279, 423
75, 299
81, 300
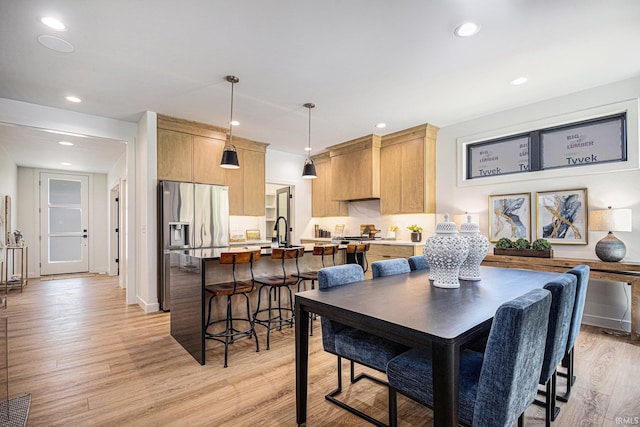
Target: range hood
355, 169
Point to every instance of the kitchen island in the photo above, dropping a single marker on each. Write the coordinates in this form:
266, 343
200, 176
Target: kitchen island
191, 270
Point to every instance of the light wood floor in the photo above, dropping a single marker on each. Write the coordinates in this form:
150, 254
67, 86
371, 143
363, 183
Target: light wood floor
87, 359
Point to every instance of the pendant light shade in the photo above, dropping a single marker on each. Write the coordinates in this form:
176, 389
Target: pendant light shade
309, 170
230, 155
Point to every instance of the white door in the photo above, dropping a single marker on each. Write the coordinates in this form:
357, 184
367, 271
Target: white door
63, 223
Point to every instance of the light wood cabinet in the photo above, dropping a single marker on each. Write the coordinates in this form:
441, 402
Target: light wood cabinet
408, 171
355, 165
175, 151
247, 184
321, 203
191, 152
207, 153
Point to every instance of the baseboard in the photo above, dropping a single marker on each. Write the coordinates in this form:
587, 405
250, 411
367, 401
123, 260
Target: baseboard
148, 308
606, 322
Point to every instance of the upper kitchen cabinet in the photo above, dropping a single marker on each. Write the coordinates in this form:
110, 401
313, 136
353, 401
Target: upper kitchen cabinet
186, 150
408, 171
247, 184
191, 152
321, 203
356, 166
175, 151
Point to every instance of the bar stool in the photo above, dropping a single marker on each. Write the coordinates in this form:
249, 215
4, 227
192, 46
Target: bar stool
274, 286
229, 289
322, 251
357, 254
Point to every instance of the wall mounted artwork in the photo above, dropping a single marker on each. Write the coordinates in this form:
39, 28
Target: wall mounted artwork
561, 216
510, 216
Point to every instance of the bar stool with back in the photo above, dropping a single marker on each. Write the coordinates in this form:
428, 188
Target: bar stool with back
229, 289
274, 286
322, 251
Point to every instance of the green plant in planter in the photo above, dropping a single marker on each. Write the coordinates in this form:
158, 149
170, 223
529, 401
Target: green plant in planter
504, 243
415, 228
541, 244
522, 244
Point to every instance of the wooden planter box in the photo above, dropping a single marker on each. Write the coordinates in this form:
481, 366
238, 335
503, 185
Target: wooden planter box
543, 253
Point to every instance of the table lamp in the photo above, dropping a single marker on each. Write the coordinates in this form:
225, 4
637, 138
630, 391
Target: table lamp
610, 248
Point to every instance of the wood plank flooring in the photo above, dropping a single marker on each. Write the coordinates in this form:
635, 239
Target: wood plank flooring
89, 360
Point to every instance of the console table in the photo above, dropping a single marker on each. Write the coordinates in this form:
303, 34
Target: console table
626, 272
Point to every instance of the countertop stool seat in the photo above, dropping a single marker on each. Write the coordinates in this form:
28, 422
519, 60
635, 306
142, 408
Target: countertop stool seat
323, 251
274, 286
228, 289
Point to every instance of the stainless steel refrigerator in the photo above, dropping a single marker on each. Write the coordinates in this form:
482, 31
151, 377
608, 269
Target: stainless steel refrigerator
190, 216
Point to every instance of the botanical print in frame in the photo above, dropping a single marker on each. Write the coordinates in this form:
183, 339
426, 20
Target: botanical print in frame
510, 216
562, 216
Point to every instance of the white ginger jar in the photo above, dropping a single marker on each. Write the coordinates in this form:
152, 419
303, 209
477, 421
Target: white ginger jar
478, 248
445, 252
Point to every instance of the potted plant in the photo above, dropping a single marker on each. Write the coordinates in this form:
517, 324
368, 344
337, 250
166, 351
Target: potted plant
416, 232
17, 238
540, 248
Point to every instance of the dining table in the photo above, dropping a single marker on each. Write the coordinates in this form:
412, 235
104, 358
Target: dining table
408, 309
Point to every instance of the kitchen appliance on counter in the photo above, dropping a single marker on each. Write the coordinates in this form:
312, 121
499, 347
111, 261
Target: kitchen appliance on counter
190, 216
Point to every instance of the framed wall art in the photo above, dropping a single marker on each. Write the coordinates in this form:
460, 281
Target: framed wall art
561, 216
510, 216
253, 234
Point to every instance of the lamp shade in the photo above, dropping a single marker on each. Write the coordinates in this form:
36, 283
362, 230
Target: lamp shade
230, 158
610, 220
309, 170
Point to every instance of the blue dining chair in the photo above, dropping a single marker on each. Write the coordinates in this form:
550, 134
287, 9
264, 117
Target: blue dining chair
495, 387
418, 262
389, 267
563, 296
582, 275
351, 343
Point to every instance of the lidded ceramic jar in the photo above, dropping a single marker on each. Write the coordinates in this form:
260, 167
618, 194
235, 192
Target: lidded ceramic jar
478, 247
445, 252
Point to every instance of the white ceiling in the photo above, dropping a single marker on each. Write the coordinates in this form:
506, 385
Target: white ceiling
360, 61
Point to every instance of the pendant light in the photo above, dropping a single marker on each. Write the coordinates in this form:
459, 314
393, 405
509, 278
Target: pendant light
229, 155
309, 170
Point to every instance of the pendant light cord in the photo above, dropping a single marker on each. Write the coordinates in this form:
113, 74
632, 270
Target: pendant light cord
309, 151
231, 119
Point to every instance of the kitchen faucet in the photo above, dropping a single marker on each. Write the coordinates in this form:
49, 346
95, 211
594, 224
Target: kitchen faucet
284, 243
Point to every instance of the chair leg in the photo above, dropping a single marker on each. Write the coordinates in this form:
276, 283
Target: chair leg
521, 420
228, 330
555, 410
567, 362
252, 323
393, 407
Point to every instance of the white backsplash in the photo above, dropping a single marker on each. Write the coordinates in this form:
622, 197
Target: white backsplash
368, 212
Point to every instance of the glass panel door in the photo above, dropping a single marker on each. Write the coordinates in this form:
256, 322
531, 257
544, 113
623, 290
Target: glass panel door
63, 223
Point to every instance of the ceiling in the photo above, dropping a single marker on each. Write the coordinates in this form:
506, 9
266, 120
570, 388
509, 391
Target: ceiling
361, 62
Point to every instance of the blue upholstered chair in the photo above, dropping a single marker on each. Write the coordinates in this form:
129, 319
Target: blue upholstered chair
389, 267
563, 296
350, 343
418, 262
495, 387
582, 275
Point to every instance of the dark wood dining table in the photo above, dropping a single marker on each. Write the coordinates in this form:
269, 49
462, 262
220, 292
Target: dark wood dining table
408, 309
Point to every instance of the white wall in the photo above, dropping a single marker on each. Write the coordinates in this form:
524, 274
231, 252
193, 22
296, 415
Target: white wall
606, 301
286, 169
8, 187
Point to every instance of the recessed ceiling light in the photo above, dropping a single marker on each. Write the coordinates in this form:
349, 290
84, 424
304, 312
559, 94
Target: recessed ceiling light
65, 143
53, 23
66, 163
55, 43
307, 148
467, 29
381, 125
234, 123
519, 81
72, 98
